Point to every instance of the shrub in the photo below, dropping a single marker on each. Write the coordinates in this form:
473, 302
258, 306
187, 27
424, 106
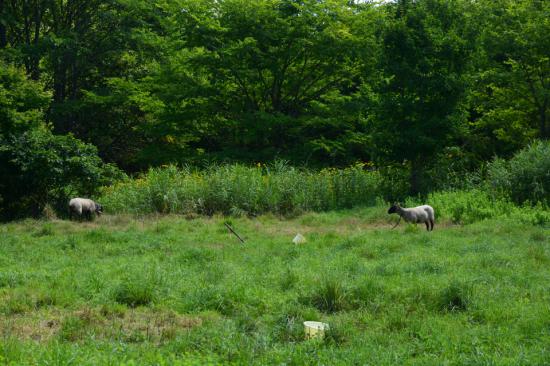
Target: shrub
38, 168
525, 177
454, 168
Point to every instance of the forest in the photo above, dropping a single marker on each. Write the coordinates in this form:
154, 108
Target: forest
424, 92
206, 134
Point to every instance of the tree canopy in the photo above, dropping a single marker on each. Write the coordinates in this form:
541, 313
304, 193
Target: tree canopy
409, 83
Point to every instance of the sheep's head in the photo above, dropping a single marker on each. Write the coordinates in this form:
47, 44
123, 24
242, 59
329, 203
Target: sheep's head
98, 209
393, 208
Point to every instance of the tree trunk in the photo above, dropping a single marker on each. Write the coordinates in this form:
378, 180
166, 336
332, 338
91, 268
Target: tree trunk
74, 79
35, 59
416, 172
3, 36
3, 31
27, 36
59, 82
544, 131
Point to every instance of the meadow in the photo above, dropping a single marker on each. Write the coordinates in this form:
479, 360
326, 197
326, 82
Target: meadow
181, 290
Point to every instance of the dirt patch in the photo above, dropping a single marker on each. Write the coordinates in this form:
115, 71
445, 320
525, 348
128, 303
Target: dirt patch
130, 325
346, 227
38, 326
152, 326
350, 227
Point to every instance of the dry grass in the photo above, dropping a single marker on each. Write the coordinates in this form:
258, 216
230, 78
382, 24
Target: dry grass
141, 324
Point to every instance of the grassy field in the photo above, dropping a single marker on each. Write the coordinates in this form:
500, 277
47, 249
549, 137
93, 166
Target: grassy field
168, 290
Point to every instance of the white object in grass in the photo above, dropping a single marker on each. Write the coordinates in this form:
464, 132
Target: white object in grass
299, 239
315, 329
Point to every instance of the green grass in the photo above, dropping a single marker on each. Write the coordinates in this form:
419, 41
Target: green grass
164, 290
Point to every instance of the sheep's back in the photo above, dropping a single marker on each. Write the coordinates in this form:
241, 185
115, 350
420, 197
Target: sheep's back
84, 204
429, 210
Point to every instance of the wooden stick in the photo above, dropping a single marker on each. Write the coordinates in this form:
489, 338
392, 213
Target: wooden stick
233, 231
398, 221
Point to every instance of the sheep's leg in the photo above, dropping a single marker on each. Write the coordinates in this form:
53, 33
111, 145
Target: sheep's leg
432, 222
427, 226
398, 221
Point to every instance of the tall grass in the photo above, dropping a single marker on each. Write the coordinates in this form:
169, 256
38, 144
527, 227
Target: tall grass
474, 205
238, 189
517, 188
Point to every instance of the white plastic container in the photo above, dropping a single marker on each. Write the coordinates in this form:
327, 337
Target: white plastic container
315, 329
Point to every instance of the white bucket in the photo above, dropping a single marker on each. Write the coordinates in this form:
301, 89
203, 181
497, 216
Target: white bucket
315, 329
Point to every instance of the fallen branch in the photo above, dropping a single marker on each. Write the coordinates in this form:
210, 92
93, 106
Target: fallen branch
233, 231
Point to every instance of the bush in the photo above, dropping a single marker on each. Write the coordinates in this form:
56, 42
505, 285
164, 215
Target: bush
454, 168
38, 167
525, 177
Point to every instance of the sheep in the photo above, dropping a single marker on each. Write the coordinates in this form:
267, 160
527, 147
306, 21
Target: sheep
415, 215
84, 207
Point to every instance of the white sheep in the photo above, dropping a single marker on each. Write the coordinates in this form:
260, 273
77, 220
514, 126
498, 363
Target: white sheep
415, 215
84, 207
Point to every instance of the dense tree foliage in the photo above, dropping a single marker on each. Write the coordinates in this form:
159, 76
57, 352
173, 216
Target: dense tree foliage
423, 63
423, 85
38, 167
511, 88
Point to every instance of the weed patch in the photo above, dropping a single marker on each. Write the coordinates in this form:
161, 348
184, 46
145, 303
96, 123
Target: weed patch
455, 297
135, 292
329, 296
